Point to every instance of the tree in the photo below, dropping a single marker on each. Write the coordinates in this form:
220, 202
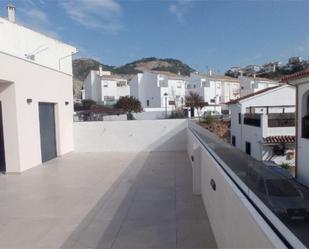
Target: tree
129, 104
88, 103
194, 100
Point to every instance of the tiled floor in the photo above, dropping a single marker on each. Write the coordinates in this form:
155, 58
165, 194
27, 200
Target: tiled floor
104, 200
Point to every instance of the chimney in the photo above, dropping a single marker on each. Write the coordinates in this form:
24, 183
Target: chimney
210, 72
100, 70
11, 12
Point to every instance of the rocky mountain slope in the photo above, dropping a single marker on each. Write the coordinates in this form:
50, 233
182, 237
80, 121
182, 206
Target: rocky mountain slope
81, 68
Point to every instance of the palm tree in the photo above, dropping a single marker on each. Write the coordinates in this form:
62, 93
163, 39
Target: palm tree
194, 100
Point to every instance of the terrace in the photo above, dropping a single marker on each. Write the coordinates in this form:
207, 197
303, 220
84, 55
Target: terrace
143, 184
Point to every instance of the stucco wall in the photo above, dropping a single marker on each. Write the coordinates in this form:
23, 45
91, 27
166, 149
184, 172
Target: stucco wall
234, 221
21, 120
303, 143
18, 40
126, 136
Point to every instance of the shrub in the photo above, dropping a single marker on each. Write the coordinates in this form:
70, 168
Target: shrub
209, 119
285, 166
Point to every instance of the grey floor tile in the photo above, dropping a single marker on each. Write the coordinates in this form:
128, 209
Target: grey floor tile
146, 235
152, 210
195, 234
190, 210
155, 194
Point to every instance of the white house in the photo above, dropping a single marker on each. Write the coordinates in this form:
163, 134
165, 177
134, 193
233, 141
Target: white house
105, 88
36, 96
159, 89
301, 81
263, 124
214, 89
250, 85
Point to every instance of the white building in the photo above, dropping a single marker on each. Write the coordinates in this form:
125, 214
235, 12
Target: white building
251, 69
159, 89
301, 81
263, 124
36, 97
249, 85
105, 88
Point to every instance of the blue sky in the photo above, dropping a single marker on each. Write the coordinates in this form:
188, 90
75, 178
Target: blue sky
215, 34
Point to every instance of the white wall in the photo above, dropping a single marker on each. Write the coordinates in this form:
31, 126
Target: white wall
21, 120
18, 41
234, 221
302, 143
134, 135
250, 85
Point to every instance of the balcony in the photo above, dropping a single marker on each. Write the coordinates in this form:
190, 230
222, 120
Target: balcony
140, 184
281, 120
252, 119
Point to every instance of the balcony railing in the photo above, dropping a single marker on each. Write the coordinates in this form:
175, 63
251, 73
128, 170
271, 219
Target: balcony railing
281, 120
252, 119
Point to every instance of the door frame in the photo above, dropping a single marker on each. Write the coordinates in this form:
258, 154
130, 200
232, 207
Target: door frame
55, 128
2, 137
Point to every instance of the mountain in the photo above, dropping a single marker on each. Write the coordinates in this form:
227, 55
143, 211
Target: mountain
82, 66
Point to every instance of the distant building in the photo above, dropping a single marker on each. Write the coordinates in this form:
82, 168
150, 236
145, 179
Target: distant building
263, 124
215, 89
301, 81
295, 60
251, 70
105, 88
249, 85
234, 72
271, 67
36, 96
159, 89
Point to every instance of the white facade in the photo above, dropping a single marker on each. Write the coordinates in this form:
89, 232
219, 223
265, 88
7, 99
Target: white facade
302, 139
150, 88
263, 105
24, 83
249, 85
105, 88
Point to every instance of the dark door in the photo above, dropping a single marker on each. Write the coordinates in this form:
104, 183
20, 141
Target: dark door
192, 112
47, 131
234, 140
248, 148
2, 152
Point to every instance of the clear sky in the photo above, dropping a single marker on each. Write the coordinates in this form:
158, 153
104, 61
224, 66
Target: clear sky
217, 34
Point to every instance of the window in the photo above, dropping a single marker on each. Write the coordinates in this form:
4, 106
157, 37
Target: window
242, 88
121, 83
233, 140
248, 148
147, 102
239, 118
179, 85
105, 84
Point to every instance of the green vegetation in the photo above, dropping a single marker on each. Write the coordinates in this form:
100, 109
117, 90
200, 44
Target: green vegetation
177, 114
209, 119
285, 166
88, 103
129, 104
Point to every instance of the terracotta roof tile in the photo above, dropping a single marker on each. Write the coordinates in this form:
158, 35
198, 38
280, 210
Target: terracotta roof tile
295, 76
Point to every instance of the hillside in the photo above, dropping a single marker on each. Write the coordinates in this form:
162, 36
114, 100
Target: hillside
81, 68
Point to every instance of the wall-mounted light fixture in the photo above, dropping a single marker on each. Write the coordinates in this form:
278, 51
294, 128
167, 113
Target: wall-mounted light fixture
67, 103
29, 101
